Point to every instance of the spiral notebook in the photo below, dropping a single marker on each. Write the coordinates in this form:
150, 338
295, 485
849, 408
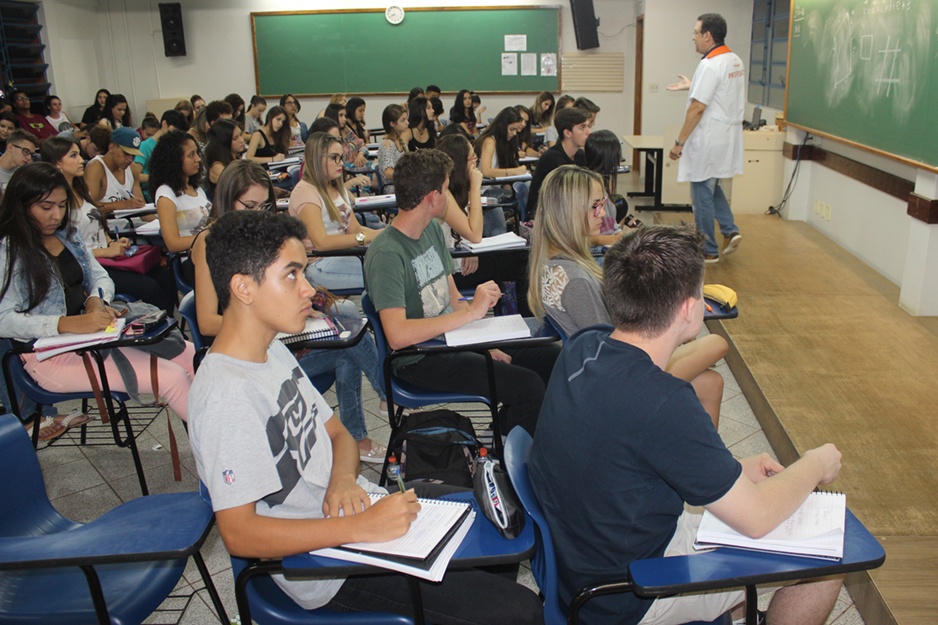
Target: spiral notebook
815, 530
427, 547
316, 328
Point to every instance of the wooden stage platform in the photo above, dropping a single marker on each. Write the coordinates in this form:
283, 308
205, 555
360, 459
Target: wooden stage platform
824, 354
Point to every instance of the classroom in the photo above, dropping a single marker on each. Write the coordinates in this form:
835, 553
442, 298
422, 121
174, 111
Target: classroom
877, 234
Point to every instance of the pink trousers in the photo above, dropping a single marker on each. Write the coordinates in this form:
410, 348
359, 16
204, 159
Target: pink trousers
66, 373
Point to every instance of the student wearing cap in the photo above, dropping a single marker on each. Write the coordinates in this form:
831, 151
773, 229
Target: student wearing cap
112, 182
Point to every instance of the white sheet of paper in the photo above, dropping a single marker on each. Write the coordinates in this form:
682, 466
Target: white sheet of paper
529, 64
509, 64
516, 43
548, 64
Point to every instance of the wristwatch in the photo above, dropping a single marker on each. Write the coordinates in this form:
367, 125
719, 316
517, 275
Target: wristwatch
678, 143
360, 237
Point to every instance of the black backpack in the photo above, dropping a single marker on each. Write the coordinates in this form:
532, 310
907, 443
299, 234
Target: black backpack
439, 445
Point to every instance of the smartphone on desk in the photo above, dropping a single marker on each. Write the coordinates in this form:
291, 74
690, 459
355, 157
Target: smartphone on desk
142, 325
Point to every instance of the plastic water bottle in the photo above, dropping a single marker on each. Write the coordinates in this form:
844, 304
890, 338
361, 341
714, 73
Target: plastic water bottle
481, 459
393, 473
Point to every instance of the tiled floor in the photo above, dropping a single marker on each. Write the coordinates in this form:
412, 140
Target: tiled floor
85, 482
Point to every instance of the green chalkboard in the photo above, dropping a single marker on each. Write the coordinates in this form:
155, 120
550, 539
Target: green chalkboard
360, 52
867, 71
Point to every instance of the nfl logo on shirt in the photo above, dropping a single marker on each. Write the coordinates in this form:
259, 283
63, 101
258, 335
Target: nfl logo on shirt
229, 476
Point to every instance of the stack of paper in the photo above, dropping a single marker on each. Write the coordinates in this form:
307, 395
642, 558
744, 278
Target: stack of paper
507, 241
424, 551
149, 228
815, 530
316, 328
489, 330
284, 163
50, 346
133, 212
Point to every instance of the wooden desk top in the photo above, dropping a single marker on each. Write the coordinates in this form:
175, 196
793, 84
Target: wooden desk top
645, 142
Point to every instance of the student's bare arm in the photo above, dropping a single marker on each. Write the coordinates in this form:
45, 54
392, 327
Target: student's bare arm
403, 332
756, 508
343, 495
250, 535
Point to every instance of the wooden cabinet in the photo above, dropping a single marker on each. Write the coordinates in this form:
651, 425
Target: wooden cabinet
760, 185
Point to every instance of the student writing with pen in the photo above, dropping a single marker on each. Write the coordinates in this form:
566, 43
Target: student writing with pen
282, 470
50, 284
112, 182
408, 274
156, 286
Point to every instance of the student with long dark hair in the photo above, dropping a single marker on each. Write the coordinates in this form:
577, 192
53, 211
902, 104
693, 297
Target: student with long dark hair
225, 144
254, 116
497, 146
298, 131
394, 144
462, 112
93, 113
354, 134
237, 108
420, 118
542, 113
524, 135
272, 142
50, 284
157, 286
116, 112
175, 176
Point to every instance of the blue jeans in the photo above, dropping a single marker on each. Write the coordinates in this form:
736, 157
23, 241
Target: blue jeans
349, 364
710, 203
493, 222
336, 272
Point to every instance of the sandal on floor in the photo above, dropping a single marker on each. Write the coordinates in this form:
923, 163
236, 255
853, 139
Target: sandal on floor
53, 429
375, 455
73, 419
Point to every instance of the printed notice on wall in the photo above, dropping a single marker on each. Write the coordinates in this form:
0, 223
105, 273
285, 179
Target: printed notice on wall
529, 64
516, 43
549, 64
509, 64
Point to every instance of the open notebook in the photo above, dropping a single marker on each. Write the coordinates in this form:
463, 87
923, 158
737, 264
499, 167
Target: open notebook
815, 530
50, 346
489, 330
424, 551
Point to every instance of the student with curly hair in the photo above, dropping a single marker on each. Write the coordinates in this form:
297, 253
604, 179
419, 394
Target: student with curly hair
181, 204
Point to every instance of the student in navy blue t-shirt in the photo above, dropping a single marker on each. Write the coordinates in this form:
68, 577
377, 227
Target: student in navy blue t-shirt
622, 446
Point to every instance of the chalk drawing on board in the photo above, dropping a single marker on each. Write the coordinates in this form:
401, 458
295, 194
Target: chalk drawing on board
890, 54
866, 47
838, 56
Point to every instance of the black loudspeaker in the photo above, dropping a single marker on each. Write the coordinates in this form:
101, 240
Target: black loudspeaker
585, 24
174, 38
